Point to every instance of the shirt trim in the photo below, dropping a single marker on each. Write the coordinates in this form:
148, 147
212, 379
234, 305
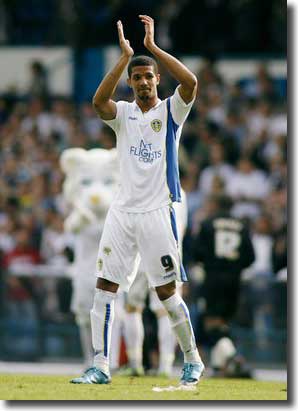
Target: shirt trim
175, 233
172, 157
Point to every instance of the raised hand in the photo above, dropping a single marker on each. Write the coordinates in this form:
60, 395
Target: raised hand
124, 43
149, 30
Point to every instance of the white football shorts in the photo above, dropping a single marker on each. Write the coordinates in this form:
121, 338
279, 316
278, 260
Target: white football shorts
129, 237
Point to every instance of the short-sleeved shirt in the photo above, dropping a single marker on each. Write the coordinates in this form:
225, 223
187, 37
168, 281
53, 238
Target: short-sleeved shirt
147, 145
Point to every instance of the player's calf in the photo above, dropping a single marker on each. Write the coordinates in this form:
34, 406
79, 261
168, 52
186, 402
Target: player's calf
179, 317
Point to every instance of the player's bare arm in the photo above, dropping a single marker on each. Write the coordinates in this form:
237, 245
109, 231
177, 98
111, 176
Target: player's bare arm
188, 81
102, 100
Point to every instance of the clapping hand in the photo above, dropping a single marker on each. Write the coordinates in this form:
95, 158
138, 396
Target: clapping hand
124, 43
149, 30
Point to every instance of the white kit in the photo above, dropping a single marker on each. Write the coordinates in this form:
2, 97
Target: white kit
141, 218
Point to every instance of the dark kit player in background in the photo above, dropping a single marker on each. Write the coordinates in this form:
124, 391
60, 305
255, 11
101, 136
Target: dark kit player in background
224, 248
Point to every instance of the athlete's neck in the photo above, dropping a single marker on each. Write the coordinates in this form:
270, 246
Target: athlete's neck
146, 105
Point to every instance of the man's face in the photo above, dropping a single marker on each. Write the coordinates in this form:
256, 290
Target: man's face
143, 81
216, 154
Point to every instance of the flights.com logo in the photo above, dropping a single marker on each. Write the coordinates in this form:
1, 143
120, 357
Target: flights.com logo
145, 152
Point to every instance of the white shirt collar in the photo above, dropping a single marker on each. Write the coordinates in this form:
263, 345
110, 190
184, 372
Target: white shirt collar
136, 107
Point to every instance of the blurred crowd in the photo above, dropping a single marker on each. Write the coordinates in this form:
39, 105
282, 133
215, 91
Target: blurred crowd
234, 142
186, 26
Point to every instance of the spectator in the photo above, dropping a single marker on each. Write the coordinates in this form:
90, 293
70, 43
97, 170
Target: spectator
234, 127
279, 250
193, 195
261, 86
7, 239
217, 167
107, 138
262, 242
90, 121
37, 118
23, 256
248, 186
260, 277
20, 303
54, 242
60, 121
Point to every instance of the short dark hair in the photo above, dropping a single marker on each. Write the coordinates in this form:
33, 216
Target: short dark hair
142, 61
223, 202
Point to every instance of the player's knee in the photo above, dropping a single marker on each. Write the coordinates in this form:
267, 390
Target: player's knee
166, 291
133, 309
106, 285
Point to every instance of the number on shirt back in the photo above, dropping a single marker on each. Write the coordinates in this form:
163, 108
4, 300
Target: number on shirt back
226, 244
167, 262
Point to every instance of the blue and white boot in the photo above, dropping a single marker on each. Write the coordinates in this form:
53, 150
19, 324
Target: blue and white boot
191, 373
92, 375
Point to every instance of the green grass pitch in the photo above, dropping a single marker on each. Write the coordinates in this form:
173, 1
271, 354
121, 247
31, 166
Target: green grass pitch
29, 387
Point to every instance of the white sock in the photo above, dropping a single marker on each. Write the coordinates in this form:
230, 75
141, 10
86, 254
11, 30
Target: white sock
166, 344
102, 316
83, 322
180, 321
134, 338
117, 330
221, 352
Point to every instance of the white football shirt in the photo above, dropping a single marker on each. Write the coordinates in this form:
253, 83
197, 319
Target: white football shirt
147, 145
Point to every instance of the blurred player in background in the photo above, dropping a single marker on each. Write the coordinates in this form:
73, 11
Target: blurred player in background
224, 248
135, 303
141, 218
91, 178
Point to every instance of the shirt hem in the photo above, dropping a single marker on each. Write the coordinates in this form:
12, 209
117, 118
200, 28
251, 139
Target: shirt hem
140, 210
